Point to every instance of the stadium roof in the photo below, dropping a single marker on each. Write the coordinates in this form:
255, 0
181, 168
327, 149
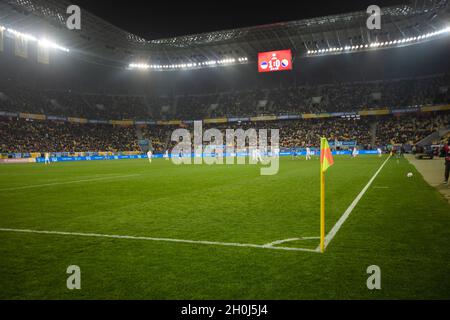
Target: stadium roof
101, 42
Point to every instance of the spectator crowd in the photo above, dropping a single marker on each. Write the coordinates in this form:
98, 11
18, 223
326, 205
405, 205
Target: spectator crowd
335, 97
23, 136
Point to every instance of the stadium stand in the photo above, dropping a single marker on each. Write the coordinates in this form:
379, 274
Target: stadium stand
338, 97
21, 136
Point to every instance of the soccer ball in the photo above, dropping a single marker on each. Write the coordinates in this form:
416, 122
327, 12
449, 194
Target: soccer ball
409, 175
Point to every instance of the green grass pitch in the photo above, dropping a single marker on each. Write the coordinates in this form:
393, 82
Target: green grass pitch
401, 224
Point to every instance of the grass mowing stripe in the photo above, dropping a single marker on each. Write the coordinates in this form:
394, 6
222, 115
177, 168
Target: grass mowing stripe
228, 244
66, 182
352, 206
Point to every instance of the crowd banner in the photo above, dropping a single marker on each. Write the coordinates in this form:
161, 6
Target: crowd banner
435, 108
43, 54
216, 120
169, 122
77, 120
289, 117
98, 121
263, 118
9, 114
144, 122
408, 110
122, 122
32, 116
378, 112
21, 45
238, 119
343, 114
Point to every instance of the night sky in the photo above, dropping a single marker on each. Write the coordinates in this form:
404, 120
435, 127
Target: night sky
155, 19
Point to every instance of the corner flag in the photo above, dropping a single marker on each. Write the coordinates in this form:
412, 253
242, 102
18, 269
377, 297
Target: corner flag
326, 158
326, 161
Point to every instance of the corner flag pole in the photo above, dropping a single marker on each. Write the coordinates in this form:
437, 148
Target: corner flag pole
326, 161
322, 208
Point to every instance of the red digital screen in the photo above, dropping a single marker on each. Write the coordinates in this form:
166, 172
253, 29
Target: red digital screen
275, 61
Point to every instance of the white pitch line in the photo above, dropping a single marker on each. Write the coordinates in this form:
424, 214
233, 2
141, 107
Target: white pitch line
66, 182
289, 240
352, 206
214, 243
271, 244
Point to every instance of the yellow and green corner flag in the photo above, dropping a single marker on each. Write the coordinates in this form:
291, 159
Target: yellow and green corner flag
326, 161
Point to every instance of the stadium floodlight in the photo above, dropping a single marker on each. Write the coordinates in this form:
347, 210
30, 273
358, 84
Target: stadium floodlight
141, 66
42, 42
383, 44
189, 65
49, 44
28, 37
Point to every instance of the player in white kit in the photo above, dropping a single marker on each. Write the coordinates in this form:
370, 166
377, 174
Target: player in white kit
256, 155
308, 153
355, 152
47, 158
166, 155
380, 153
149, 156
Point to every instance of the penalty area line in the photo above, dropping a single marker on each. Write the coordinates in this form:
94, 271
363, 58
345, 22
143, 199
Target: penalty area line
352, 206
202, 242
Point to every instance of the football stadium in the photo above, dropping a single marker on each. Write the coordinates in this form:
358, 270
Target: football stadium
304, 159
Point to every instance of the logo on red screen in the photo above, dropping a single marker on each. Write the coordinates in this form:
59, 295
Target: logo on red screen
275, 61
